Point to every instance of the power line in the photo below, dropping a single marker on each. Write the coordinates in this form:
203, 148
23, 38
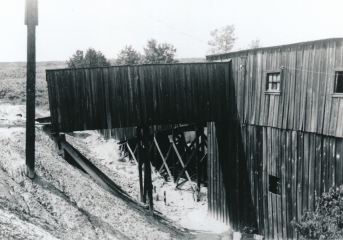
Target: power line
186, 34
327, 96
303, 70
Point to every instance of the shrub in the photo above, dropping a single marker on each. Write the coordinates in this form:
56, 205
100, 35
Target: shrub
326, 222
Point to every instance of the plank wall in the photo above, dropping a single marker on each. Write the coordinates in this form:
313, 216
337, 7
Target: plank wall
129, 96
307, 83
241, 158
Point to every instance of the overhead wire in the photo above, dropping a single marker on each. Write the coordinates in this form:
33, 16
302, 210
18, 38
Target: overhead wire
186, 34
303, 70
303, 84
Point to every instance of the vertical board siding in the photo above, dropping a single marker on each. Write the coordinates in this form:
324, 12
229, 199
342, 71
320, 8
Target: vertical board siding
305, 102
307, 164
129, 96
296, 135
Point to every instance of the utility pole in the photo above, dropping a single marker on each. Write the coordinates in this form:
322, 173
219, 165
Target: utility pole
31, 20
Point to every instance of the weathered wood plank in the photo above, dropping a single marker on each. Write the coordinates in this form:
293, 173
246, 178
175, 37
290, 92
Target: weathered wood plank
339, 163
325, 165
300, 153
332, 174
305, 184
311, 172
284, 182
259, 178
329, 88
318, 165
298, 89
279, 218
265, 183
294, 152
275, 214
290, 72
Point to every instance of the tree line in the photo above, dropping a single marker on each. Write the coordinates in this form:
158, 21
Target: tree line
153, 53
222, 41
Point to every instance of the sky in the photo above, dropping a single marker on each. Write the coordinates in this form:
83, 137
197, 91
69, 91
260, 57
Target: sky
109, 25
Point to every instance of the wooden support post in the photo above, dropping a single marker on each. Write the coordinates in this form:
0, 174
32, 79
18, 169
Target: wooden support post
140, 162
174, 159
31, 20
202, 150
61, 151
197, 159
155, 152
132, 153
147, 169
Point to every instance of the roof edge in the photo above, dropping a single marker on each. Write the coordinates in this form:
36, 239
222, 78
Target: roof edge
271, 47
138, 65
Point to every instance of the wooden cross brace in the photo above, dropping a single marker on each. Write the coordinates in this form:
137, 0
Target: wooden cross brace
164, 159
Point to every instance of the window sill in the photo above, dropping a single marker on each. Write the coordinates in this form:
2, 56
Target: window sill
272, 92
337, 95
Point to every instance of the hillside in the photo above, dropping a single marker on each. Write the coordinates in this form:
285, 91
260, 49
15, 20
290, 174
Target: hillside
13, 82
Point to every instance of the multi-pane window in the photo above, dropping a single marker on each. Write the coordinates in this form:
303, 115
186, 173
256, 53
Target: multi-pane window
338, 82
273, 81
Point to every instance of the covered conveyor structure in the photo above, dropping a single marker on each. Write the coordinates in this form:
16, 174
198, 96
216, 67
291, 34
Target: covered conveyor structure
130, 96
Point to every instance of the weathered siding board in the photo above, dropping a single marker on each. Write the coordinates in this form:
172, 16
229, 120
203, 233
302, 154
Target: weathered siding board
329, 87
307, 163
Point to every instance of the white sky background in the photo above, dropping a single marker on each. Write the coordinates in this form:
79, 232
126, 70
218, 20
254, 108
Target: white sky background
109, 25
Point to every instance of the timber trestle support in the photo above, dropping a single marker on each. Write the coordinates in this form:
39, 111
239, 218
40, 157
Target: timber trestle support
175, 154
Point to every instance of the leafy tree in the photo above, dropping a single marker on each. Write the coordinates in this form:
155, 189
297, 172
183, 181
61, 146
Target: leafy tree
255, 44
128, 56
92, 58
223, 40
159, 53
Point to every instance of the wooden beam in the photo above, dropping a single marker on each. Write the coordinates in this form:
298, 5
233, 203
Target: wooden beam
166, 157
180, 159
171, 140
203, 157
133, 155
184, 168
134, 151
147, 169
140, 162
154, 151
197, 160
164, 160
151, 145
85, 166
31, 20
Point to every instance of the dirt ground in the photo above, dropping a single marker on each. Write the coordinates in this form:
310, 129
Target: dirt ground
62, 202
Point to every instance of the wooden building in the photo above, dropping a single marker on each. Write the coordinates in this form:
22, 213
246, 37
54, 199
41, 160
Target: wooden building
141, 95
274, 117
282, 144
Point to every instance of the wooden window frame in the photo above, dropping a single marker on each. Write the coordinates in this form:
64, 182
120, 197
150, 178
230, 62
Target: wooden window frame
334, 93
272, 91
